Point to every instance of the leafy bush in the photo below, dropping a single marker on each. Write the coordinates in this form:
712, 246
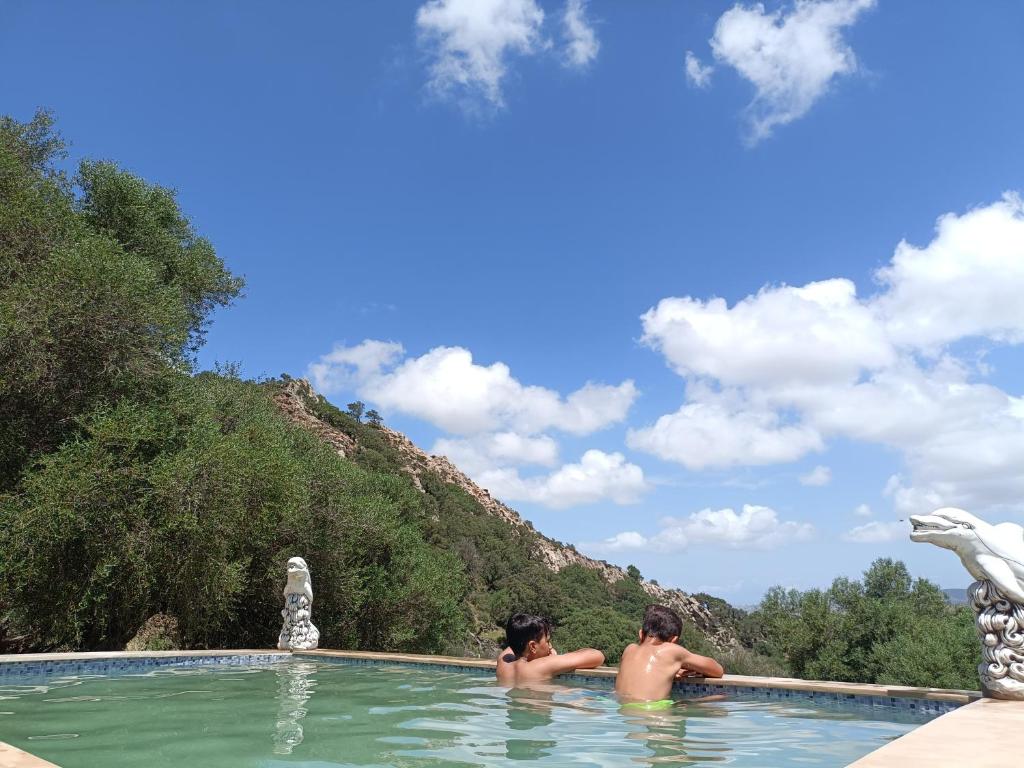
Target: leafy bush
191, 505
603, 628
888, 628
104, 295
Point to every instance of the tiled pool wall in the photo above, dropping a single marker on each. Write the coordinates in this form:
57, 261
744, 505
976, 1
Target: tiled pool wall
24, 671
828, 698
15, 671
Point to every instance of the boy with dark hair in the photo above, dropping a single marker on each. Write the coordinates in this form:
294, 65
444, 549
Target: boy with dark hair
649, 668
529, 657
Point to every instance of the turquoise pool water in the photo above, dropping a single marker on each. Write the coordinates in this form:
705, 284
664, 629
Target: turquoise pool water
320, 714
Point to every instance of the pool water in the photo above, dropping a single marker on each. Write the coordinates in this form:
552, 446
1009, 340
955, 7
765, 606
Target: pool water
320, 714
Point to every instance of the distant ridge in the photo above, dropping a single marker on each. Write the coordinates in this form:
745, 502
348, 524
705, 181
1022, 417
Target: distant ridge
956, 596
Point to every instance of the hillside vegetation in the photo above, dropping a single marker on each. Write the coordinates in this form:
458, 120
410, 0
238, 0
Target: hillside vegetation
132, 485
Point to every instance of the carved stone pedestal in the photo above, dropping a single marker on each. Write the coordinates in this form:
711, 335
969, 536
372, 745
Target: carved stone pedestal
1000, 624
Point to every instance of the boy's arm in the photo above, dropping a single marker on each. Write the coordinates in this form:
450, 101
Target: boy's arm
586, 658
702, 665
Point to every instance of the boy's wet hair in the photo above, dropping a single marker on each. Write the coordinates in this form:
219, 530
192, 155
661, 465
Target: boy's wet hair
524, 627
662, 622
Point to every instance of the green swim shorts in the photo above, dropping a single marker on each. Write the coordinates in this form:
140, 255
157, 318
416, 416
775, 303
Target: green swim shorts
650, 706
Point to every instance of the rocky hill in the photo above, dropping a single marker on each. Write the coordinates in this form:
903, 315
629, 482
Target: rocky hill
297, 399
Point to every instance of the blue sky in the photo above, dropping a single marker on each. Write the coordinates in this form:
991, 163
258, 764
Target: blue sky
515, 199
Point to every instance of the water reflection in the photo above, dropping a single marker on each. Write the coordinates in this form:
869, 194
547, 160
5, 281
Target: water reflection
664, 734
528, 713
295, 686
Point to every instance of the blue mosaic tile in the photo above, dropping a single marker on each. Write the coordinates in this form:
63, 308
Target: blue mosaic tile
19, 671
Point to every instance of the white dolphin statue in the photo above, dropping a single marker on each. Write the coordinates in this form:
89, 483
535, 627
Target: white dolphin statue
989, 552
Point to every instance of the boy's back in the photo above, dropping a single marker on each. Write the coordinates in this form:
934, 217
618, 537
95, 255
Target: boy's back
649, 668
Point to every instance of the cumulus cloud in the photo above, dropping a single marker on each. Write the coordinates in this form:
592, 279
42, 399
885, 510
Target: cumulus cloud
470, 42
791, 58
481, 453
707, 434
496, 424
597, 476
755, 527
581, 40
697, 73
965, 283
818, 476
862, 510
627, 540
344, 367
876, 532
778, 374
446, 388
819, 332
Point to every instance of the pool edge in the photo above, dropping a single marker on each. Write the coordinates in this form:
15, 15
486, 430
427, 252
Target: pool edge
12, 757
949, 743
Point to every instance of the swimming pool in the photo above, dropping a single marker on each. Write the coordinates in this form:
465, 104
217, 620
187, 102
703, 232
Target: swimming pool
318, 713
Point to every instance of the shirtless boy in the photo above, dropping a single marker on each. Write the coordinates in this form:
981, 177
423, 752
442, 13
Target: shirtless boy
529, 657
649, 668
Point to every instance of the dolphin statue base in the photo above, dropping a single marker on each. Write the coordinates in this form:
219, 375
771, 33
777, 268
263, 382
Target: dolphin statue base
994, 556
1000, 624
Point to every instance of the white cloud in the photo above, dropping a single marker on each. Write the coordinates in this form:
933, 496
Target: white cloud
791, 59
470, 41
495, 423
818, 476
877, 532
344, 367
697, 73
703, 435
819, 332
581, 40
862, 510
446, 388
756, 527
621, 541
481, 453
966, 282
780, 373
596, 477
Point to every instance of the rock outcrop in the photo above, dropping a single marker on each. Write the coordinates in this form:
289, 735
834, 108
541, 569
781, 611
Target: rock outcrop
292, 399
159, 633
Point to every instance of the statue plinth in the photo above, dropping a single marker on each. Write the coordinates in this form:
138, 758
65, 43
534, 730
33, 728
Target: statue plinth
1000, 624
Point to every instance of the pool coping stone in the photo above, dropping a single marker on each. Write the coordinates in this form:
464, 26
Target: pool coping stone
12, 757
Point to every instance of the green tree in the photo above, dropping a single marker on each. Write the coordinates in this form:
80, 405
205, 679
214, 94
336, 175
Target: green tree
355, 410
373, 418
107, 289
603, 628
886, 628
191, 505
